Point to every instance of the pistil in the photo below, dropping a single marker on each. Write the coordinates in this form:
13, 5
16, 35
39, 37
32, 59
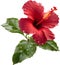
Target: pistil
47, 15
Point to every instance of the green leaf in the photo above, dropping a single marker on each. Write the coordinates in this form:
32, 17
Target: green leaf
50, 45
12, 25
25, 49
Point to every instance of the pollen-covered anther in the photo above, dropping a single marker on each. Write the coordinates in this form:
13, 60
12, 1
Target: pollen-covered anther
49, 13
46, 15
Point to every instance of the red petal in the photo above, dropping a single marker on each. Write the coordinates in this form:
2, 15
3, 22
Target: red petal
39, 38
26, 26
33, 9
48, 34
51, 22
42, 36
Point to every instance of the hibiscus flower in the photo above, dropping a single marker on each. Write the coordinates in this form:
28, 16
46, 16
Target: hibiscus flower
38, 22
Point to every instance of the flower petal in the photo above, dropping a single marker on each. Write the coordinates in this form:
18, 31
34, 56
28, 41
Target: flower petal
26, 26
48, 34
43, 35
33, 9
51, 22
39, 38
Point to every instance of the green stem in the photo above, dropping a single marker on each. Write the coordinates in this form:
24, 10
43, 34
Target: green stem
26, 37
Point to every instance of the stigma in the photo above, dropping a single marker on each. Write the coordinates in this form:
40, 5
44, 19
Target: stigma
46, 15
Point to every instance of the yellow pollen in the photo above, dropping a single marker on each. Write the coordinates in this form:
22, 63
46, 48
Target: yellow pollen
46, 15
49, 13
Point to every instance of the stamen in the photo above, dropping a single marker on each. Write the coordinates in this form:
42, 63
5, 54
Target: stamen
47, 15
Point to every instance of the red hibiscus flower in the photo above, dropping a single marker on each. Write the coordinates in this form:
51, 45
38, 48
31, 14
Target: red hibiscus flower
38, 22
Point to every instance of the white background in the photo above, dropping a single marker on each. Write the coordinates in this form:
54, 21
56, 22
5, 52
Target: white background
8, 41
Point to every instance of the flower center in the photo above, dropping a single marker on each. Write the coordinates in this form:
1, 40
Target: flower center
36, 26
